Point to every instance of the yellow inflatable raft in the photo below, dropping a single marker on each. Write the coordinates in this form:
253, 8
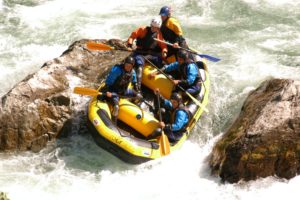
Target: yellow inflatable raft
126, 138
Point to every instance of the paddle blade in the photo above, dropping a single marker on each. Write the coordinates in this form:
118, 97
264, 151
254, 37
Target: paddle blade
164, 144
86, 91
98, 46
210, 58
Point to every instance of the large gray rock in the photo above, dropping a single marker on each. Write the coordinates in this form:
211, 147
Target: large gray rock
39, 108
265, 138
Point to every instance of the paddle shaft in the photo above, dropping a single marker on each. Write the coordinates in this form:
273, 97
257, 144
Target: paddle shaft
164, 142
186, 92
93, 92
211, 58
159, 110
105, 47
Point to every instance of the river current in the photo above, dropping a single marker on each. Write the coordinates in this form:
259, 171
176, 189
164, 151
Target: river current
255, 39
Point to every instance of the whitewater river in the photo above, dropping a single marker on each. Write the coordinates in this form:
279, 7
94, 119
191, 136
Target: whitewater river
256, 40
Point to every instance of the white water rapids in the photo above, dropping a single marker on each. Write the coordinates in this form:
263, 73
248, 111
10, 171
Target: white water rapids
256, 40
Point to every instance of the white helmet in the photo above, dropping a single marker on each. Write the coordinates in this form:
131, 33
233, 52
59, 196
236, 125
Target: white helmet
156, 22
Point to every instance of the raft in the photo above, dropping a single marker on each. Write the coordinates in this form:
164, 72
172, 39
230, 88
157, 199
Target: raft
126, 138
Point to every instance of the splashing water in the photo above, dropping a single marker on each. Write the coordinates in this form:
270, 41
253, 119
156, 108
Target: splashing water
255, 39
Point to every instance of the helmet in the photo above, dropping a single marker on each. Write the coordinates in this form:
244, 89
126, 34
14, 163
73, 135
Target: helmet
156, 22
183, 54
165, 11
129, 60
176, 96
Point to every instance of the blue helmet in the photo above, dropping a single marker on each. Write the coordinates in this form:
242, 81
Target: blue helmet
165, 11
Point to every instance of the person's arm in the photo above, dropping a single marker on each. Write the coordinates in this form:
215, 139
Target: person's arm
171, 67
134, 80
112, 76
110, 80
174, 25
192, 74
139, 32
163, 46
181, 119
167, 104
165, 68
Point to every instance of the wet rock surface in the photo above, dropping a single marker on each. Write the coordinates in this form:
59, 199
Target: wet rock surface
41, 108
265, 138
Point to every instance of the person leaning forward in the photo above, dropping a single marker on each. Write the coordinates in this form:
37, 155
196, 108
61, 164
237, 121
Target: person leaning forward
176, 117
117, 82
147, 47
185, 74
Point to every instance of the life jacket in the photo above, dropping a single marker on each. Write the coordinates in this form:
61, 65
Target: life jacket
147, 42
185, 109
167, 33
123, 81
183, 72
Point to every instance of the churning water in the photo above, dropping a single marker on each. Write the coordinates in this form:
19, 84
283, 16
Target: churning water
256, 40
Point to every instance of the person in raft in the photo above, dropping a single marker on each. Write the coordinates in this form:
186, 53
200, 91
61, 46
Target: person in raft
176, 117
185, 74
147, 48
117, 83
171, 31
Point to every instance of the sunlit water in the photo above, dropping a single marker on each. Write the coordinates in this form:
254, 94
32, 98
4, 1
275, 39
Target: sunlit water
256, 40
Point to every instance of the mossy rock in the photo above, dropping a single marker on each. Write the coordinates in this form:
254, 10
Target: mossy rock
3, 196
256, 156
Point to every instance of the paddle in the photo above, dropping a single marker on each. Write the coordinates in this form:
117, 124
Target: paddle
93, 93
99, 46
86, 91
163, 140
186, 92
208, 57
105, 47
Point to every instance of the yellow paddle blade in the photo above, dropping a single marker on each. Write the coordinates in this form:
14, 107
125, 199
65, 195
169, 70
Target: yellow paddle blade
98, 46
164, 144
86, 91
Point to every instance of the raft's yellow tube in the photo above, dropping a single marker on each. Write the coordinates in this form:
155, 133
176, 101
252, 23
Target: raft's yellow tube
135, 117
159, 81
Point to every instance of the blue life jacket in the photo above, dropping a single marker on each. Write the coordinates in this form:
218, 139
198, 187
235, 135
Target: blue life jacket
118, 79
188, 72
179, 118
